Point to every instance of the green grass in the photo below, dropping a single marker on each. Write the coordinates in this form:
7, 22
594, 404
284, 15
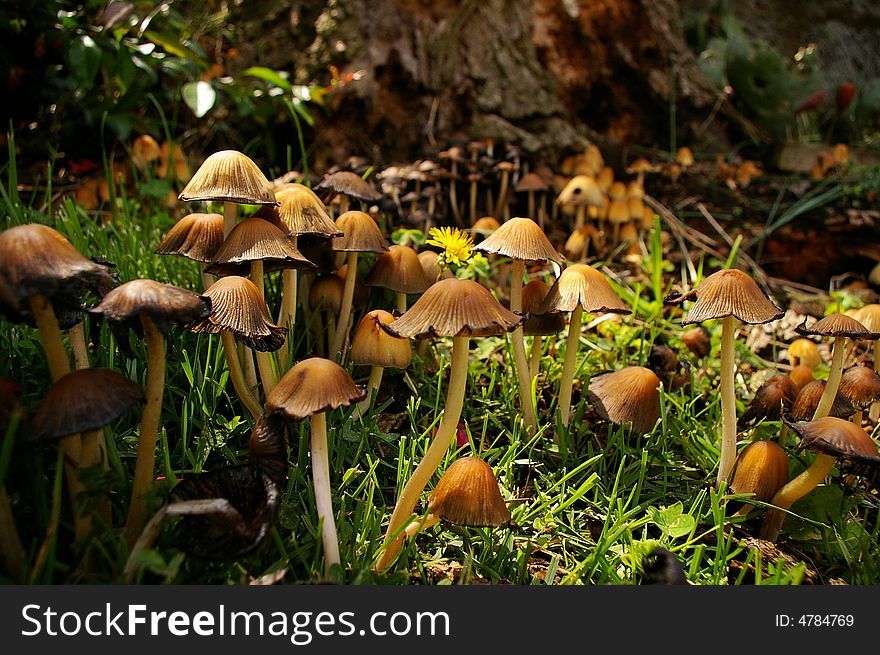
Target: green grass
585, 514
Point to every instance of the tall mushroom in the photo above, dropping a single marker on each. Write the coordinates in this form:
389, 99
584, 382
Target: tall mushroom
195, 236
374, 347
730, 295
150, 308
400, 270
449, 308
309, 390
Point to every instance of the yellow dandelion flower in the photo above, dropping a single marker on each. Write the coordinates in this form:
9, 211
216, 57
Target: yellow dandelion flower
457, 246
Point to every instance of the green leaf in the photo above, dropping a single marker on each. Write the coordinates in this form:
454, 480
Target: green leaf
85, 59
671, 521
199, 96
268, 75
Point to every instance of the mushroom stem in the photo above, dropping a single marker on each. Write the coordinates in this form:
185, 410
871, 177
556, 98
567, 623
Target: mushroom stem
580, 217
236, 374
257, 270
501, 207
857, 417
372, 387
833, 383
420, 524
321, 482
146, 449
874, 412
287, 314
531, 196
345, 308
571, 348
521, 363
728, 401
793, 491
230, 217
443, 438
535, 357
267, 371
207, 279
401, 301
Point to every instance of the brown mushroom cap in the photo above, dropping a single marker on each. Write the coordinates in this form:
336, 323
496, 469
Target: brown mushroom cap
165, 304
326, 292
373, 346
839, 438
584, 286
468, 494
313, 386
808, 400
454, 308
536, 324
237, 307
398, 269
360, 233
760, 469
869, 316
82, 401
531, 182
630, 395
778, 393
801, 375
229, 176
196, 236
522, 239
300, 212
837, 325
803, 351
255, 239
697, 341
860, 385
349, 184
728, 292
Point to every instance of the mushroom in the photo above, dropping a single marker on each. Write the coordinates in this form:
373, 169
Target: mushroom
197, 237
233, 178
530, 184
360, 234
832, 439
582, 191
325, 295
347, 185
374, 347
149, 307
238, 312
309, 390
522, 240
580, 288
869, 316
538, 325
761, 469
730, 295
400, 270
777, 394
804, 352
807, 401
449, 308
630, 395
860, 385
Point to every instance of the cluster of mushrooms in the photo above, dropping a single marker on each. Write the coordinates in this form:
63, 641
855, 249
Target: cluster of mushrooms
320, 241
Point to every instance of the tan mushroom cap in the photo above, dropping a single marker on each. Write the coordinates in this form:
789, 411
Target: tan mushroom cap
313, 386
531, 182
581, 190
398, 269
431, 267
455, 308
237, 307
196, 236
869, 316
584, 286
642, 165
860, 385
326, 292
807, 401
630, 395
82, 401
728, 292
485, 225
684, 157
373, 346
839, 438
255, 239
760, 469
778, 393
522, 239
165, 304
229, 176
803, 351
300, 212
837, 325
468, 494
349, 184
801, 375
359, 233
537, 324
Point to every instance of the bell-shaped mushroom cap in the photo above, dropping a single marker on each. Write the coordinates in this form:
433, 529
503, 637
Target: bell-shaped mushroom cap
728, 292
326, 293
165, 304
373, 346
256, 239
229, 176
520, 238
300, 212
869, 316
805, 352
760, 469
581, 190
360, 233
37, 259
839, 438
584, 286
778, 393
485, 225
349, 184
237, 307
454, 308
468, 494
808, 400
860, 385
313, 386
82, 401
429, 262
252, 499
630, 395
398, 269
531, 182
537, 324
196, 236
697, 341
837, 325
801, 375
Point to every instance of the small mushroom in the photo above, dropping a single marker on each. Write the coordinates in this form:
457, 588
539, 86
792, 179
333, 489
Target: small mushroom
860, 385
630, 395
400, 270
197, 237
778, 393
374, 347
761, 469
